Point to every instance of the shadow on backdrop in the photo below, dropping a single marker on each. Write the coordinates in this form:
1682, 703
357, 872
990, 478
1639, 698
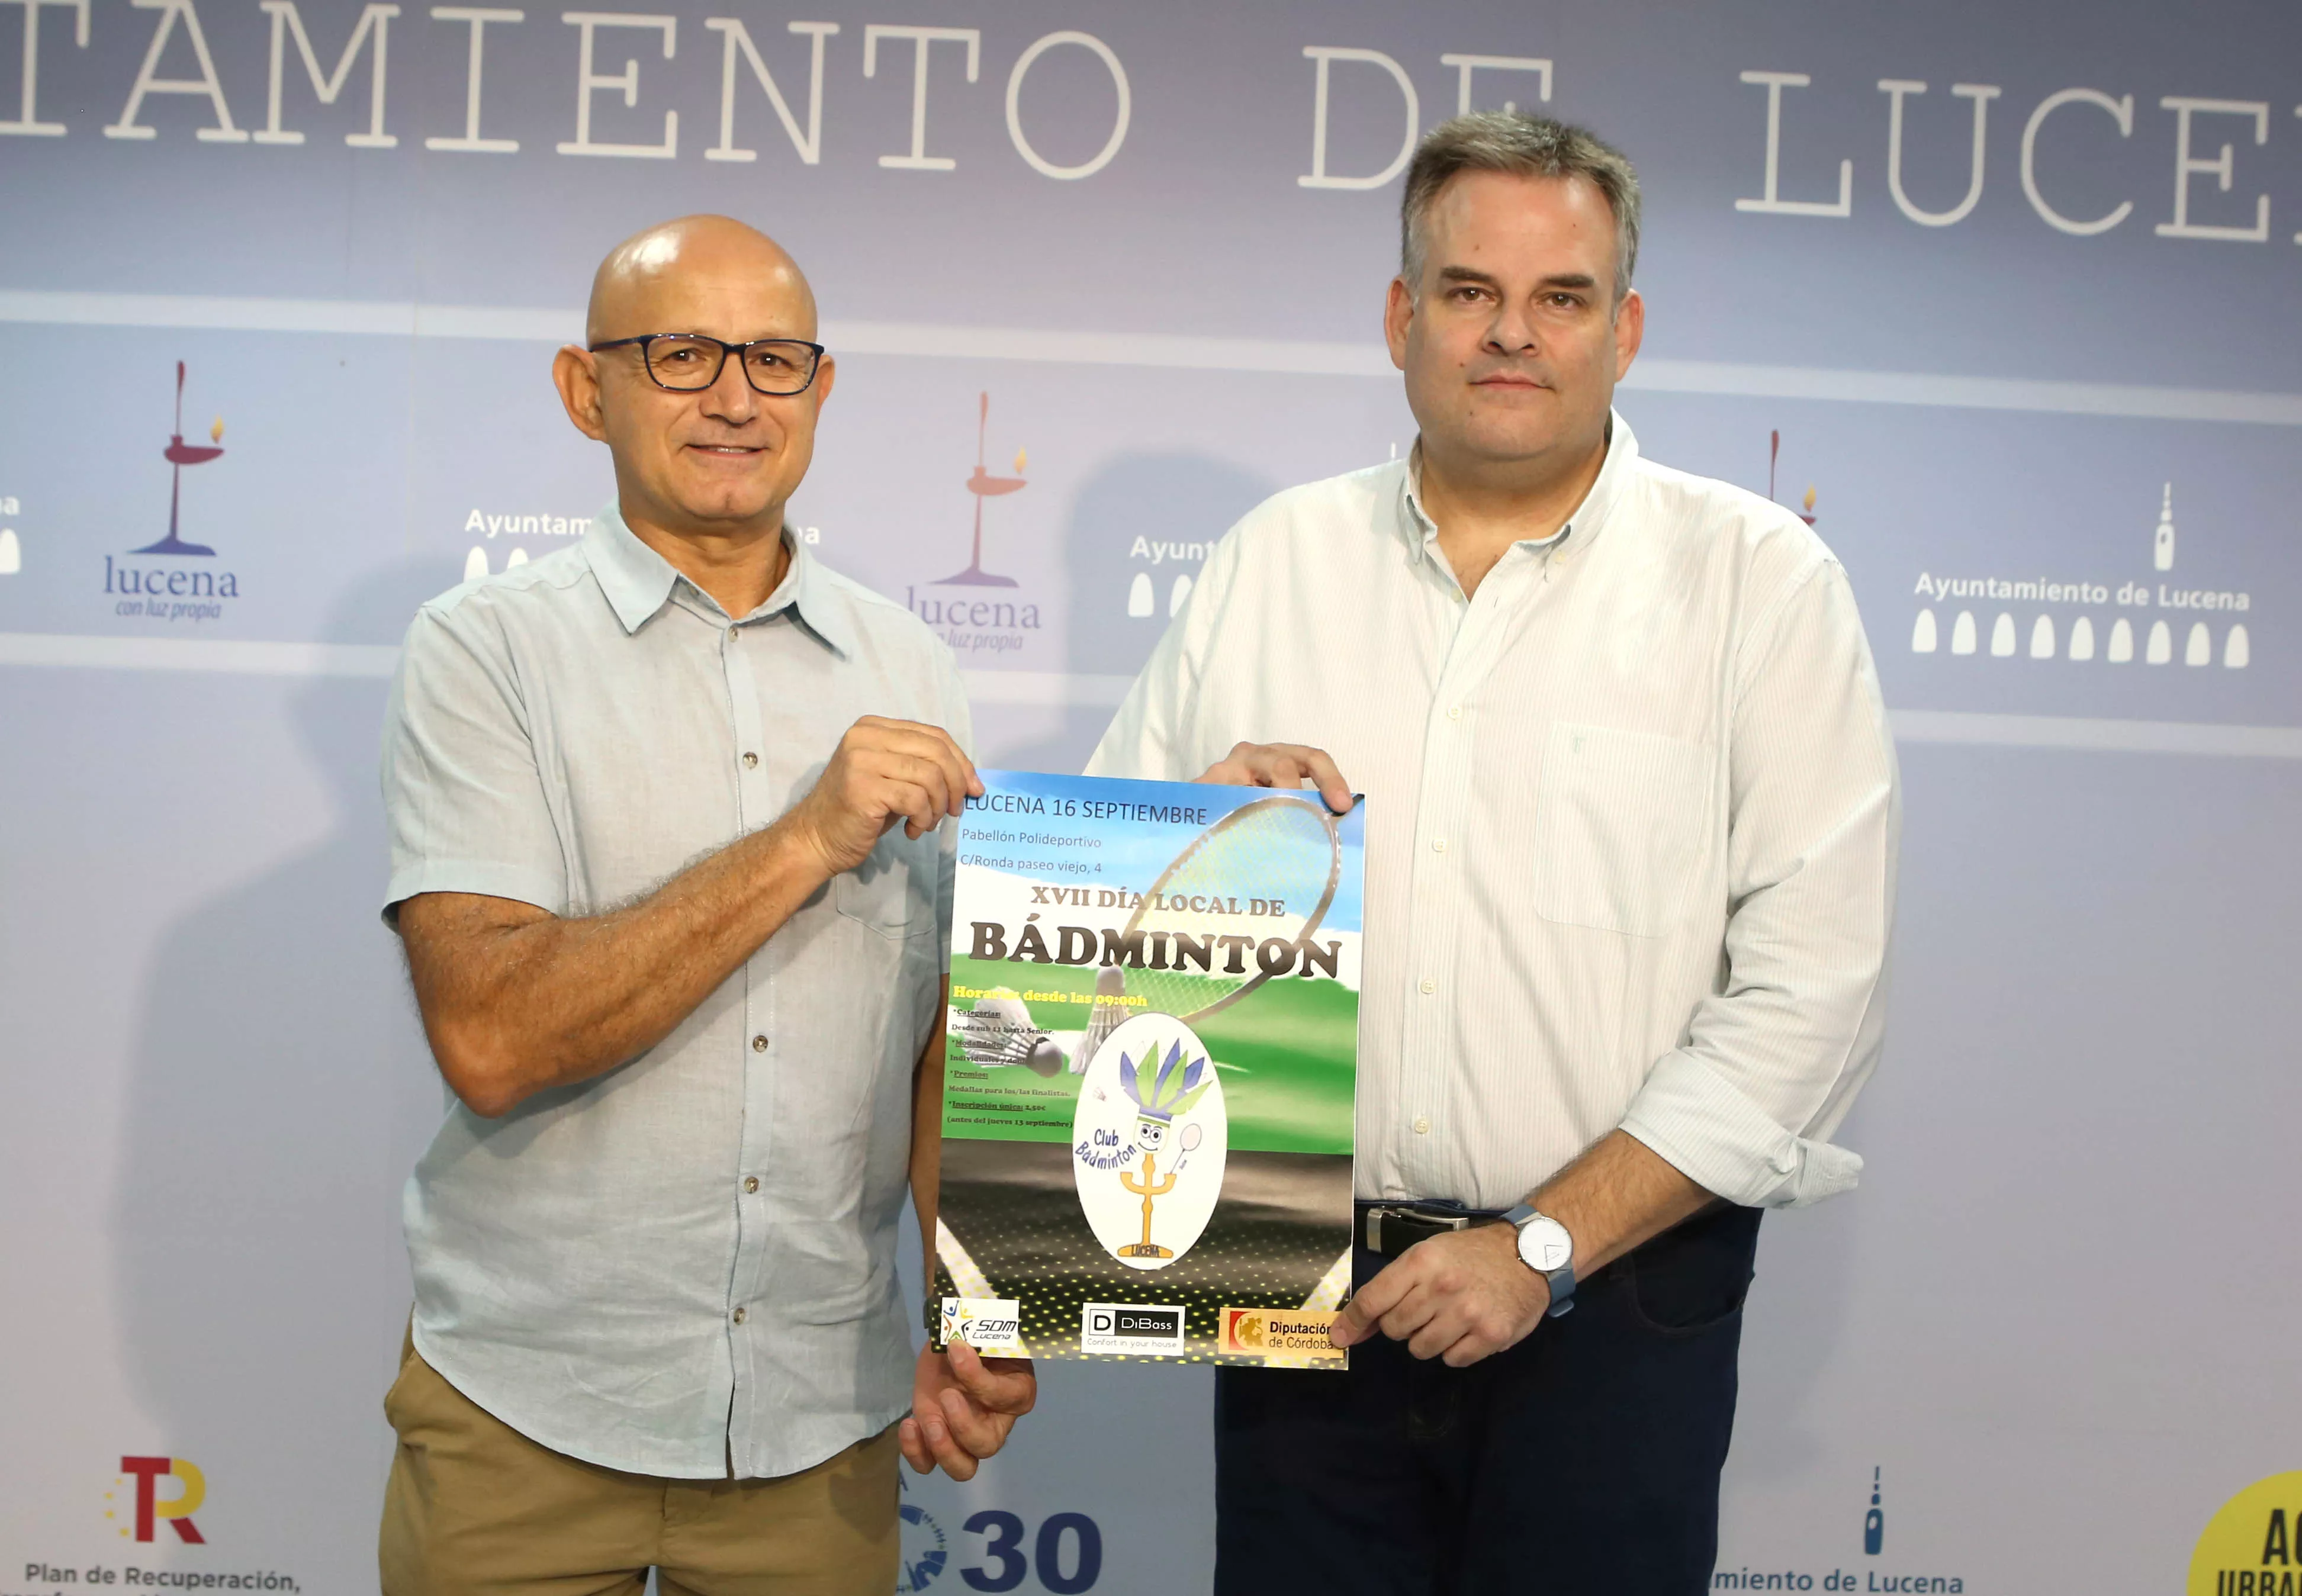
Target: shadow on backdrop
281, 1093
1123, 551
1794, 1327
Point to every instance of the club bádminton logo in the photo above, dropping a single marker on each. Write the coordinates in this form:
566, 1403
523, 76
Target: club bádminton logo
1148, 1141
164, 581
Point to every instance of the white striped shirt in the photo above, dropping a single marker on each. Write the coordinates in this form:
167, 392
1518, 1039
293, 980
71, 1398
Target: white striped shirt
1633, 815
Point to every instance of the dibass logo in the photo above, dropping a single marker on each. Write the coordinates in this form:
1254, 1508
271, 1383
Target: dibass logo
191, 1490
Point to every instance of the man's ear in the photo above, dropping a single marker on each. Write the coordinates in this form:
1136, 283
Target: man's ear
575, 373
1397, 315
1630, 331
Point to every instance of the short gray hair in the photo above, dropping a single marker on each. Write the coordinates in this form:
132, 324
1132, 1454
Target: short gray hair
1523, 146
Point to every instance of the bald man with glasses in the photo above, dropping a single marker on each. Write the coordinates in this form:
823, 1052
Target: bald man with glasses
669, 863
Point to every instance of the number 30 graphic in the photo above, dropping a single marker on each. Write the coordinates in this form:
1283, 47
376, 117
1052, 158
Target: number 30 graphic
1006, 1565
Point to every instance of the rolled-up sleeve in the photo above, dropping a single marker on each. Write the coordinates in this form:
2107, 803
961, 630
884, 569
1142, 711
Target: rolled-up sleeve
1773, 1061
464, 795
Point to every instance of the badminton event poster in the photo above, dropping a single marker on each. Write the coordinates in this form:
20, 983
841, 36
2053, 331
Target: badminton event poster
1149, 1073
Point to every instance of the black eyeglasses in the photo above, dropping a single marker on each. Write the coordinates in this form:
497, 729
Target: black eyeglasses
691, 362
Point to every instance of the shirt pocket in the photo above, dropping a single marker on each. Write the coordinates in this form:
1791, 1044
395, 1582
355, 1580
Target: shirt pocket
1618, 819
894, 890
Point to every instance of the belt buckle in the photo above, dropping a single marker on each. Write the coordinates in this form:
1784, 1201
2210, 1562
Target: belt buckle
1377, 1213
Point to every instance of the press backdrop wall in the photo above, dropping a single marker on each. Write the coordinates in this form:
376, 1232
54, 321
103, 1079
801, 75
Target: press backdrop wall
2036, 356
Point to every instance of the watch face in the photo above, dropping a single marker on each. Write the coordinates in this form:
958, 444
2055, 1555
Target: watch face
1545, 1244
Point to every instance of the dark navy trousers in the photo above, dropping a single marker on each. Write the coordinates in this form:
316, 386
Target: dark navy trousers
1583, 1462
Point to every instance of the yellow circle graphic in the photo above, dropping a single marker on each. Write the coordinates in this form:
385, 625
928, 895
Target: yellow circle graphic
2251, 1547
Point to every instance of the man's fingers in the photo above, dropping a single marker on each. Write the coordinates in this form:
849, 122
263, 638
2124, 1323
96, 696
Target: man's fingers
1315, 764
922, 782
904, 789
934, 745
958, 775
930, 1429
1377, 1297
980, 1432
957, 1461
912, 739
1446, 1327
1469, 1350
1416, 1309
1008, 1385
1329, 781
912, 736
1284, 765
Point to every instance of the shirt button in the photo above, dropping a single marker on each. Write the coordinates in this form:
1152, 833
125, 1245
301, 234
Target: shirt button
758, 1044
1422, 1128
1429, 986
1455, 712
1438, 844
750, 1184
751, 762
737, 1315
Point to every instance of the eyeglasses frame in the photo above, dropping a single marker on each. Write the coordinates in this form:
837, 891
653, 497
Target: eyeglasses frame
647, 362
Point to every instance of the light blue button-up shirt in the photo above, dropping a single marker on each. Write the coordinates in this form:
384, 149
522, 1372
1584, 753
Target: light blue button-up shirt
687, 1263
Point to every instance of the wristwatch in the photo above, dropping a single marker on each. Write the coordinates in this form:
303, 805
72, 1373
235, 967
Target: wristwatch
1545, 1246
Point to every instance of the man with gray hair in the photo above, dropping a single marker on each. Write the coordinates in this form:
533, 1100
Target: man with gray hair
1630, 868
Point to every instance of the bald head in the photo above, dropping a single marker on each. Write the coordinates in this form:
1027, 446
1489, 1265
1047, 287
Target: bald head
699, 266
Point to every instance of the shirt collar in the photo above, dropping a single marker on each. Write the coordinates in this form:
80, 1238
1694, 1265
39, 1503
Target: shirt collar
639, 582
1583, 526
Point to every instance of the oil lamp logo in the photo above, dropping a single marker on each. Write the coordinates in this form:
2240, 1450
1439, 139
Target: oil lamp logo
151, 1508
169, 592
979, 623
1774, 454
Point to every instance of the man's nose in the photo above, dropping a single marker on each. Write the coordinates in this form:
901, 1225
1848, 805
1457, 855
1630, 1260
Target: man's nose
732, 398
1512, 330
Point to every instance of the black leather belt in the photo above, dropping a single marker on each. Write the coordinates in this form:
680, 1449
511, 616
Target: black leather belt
1390, 1228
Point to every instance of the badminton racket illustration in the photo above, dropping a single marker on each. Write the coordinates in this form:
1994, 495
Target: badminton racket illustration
1283, 850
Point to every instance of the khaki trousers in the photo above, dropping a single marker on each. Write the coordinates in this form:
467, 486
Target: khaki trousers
473, 1506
